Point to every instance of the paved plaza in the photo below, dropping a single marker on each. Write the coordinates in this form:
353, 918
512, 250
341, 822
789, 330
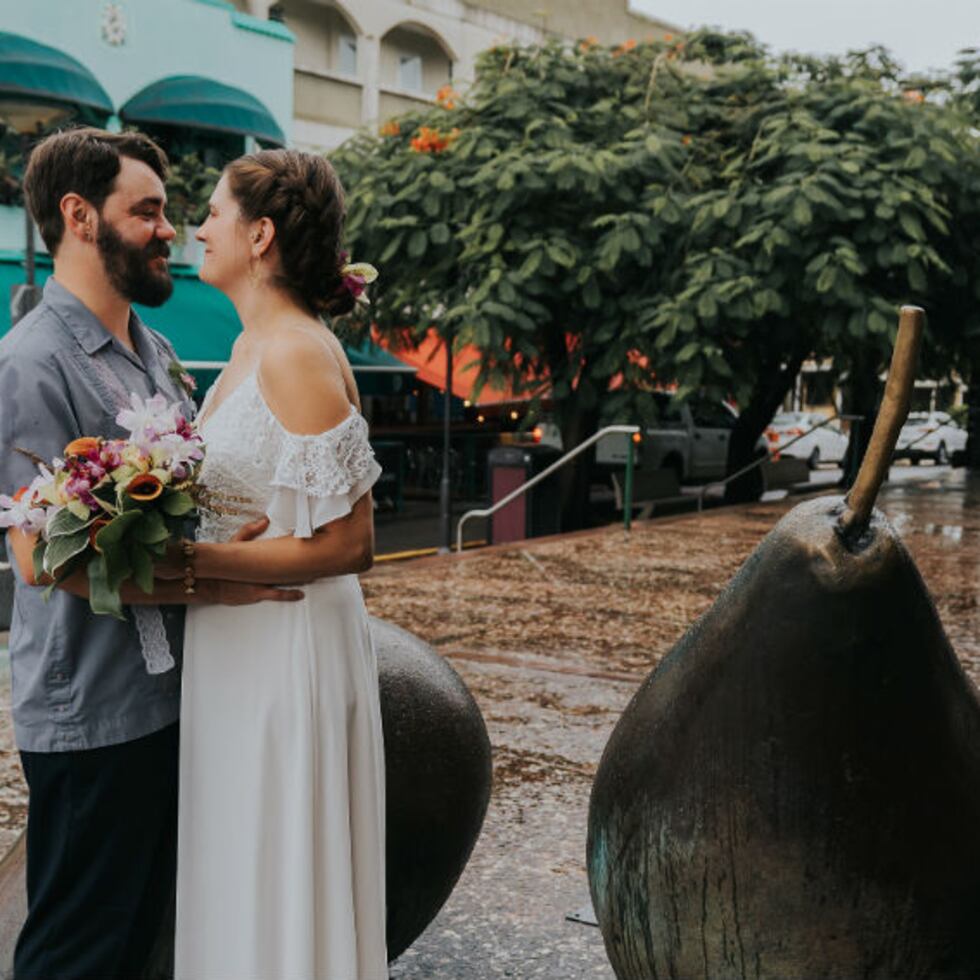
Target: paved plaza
553, 637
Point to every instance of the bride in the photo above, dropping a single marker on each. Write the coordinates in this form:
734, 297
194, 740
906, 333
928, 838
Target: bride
281, 825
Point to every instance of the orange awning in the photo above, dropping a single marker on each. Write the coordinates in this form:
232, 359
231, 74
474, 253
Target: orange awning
429, 361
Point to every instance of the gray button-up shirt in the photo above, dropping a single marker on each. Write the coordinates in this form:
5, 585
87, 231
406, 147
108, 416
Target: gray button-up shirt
78, 680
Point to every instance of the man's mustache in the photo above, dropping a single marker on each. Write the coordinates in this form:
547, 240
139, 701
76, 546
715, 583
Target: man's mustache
158, 249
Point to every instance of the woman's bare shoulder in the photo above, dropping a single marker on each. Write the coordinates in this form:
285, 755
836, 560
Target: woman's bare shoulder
302, 382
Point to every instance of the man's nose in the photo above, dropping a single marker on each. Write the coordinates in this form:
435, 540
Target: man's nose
166, 231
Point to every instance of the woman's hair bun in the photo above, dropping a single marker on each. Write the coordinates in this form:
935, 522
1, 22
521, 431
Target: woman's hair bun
301, 194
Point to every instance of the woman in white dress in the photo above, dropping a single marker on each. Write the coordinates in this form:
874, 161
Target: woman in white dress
281, 825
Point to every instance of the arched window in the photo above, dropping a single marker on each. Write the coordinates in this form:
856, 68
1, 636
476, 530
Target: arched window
326, 38
414, 59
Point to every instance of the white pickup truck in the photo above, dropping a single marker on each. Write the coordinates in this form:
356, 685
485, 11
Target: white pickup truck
690, 438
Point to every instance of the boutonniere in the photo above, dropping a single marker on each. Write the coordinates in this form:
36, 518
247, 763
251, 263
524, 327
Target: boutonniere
180, 375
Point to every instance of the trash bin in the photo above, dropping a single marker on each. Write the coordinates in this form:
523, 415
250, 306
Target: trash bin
535, 512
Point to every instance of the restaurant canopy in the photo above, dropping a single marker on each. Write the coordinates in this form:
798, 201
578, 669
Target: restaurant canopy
34, 75
192, 101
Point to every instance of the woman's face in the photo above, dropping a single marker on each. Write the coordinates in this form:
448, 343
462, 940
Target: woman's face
228, 248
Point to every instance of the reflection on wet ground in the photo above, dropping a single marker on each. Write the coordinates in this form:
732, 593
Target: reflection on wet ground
553, 638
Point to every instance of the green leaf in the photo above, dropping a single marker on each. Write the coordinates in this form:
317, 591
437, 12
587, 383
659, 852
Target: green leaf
394, 243
826, 279
416, 244
112, 534
177, 503
802, 212
63, 548
877, 323
688, 351
911, 225
918, 282
141, 562
103, 600
152, 528
65, 522
439, 233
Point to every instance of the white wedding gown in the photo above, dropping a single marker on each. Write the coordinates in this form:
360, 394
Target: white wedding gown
281, 848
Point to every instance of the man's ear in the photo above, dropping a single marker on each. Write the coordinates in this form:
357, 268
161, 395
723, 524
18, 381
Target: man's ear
80, 218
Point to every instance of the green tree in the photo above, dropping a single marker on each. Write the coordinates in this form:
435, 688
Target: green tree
695, 212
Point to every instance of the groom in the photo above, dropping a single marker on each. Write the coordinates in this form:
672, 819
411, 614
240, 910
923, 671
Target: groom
98, 735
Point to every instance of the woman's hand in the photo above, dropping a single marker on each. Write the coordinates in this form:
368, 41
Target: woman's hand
173, 563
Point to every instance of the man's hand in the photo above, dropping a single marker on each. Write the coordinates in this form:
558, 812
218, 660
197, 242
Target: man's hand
218, 592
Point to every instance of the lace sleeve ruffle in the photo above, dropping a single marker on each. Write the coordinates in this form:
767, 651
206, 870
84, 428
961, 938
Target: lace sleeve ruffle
319, 478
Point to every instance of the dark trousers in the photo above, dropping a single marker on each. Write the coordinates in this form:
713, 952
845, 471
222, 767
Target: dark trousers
101, 858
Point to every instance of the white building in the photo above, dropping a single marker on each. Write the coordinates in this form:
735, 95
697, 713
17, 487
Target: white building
360, 62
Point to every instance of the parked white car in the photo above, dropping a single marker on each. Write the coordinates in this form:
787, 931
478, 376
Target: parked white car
930, 435
824, 445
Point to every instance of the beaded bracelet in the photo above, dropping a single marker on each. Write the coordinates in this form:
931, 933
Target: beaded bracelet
190, 581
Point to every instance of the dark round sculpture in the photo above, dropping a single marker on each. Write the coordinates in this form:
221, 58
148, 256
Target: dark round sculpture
795, 791
438, 770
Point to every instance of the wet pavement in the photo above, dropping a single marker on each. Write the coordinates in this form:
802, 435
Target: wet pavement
553, 637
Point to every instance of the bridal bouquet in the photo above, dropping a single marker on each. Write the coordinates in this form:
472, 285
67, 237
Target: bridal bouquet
112, 505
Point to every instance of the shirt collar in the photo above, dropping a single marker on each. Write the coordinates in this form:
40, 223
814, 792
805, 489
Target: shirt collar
88, 329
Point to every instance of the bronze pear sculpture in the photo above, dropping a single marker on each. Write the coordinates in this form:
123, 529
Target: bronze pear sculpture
795, 790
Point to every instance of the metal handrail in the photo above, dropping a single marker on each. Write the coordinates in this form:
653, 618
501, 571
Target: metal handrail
629, 430
769, 455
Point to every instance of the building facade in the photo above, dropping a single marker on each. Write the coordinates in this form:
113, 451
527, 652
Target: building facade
360, 63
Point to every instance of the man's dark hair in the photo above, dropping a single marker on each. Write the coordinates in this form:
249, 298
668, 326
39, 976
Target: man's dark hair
83, 161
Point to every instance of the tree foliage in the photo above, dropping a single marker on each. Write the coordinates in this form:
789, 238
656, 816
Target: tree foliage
698, 212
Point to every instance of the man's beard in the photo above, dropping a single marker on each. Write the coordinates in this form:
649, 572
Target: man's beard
129, 269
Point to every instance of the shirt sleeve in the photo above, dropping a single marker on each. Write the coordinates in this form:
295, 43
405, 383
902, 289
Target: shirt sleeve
36, 414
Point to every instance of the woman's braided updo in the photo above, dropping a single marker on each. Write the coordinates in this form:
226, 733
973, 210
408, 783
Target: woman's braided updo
301, 194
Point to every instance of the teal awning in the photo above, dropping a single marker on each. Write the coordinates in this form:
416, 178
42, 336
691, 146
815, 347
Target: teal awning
37, 73
201, 103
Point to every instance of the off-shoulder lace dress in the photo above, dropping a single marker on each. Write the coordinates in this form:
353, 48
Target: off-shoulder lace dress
281, 847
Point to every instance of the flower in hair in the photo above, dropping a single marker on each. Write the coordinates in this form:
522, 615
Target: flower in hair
355, 276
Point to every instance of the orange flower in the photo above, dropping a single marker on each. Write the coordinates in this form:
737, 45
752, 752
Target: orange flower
914, 96
391, 128
144, 487
82, 447
446, 97
668, 37
588, 43
687, 139
430, 140
627, 45
94, 529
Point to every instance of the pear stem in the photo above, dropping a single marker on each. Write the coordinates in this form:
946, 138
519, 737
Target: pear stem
860, 500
